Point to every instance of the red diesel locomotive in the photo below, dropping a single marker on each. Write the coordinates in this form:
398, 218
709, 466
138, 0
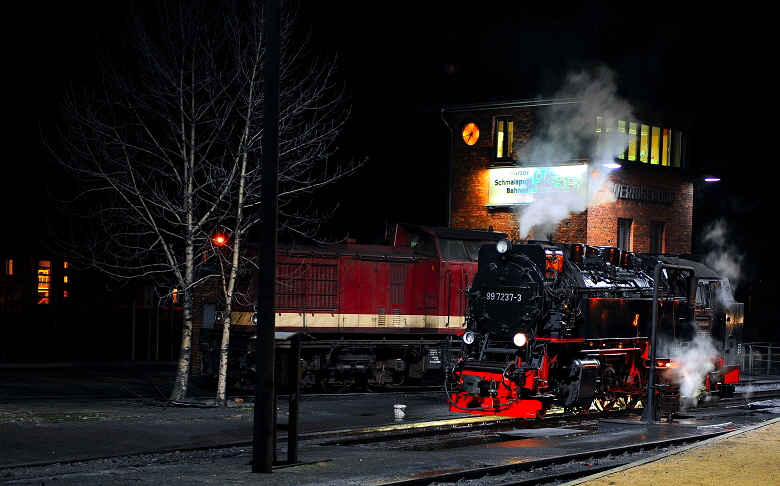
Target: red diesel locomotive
372, 315
569, 326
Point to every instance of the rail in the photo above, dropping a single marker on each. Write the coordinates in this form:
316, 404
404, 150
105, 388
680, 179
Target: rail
761, 358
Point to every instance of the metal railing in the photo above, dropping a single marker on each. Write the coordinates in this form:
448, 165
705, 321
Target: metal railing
761, 358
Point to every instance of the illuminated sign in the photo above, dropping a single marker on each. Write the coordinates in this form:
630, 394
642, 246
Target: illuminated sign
511, 186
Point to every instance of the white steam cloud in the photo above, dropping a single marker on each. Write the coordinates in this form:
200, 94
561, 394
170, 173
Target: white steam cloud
568, 130
721, 251
691, 362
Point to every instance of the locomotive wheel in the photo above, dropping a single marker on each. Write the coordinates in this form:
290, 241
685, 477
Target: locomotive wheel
331, 385
604, 404
633, 401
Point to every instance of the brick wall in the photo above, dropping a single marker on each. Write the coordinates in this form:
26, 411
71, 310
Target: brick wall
598, 225
677, 215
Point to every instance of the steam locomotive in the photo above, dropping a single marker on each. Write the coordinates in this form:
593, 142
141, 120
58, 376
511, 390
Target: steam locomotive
371, 315
569, 326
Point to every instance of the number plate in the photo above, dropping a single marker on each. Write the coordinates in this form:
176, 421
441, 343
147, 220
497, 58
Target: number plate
511, 297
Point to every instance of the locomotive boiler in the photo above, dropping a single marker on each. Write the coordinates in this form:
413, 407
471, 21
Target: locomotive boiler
568, 326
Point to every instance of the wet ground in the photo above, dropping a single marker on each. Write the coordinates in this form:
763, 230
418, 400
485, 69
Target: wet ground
55, 416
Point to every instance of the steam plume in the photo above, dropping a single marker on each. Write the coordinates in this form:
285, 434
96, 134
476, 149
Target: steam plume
568, 130
692, 362
721, 252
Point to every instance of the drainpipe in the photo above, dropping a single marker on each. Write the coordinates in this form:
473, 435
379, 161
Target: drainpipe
449, 170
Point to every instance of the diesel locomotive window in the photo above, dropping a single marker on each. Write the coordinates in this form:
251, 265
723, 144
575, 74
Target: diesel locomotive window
472, 247
453, 249
634, 141
502, 138
423, 245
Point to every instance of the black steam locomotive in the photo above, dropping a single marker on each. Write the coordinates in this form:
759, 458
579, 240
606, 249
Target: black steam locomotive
569, 326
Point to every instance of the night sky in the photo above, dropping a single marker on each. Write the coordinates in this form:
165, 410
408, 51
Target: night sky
717, 62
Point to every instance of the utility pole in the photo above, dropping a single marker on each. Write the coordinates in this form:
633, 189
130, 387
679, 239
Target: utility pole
264, 439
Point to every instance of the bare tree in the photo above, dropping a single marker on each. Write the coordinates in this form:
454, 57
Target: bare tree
165, 148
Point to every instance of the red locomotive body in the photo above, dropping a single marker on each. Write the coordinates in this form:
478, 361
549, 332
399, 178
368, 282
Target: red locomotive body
373, 315
569, 326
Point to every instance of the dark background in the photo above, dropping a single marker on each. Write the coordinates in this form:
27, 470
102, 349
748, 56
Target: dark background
715, 62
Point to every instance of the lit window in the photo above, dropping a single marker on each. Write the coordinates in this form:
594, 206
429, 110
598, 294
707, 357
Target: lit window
44, 281
645, 143
632, 142
65, 265
65, 294
655, 141
503, 136
65, 279
9, 267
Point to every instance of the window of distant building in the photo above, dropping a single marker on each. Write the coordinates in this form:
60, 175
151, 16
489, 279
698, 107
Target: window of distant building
624, 233
634, 141
656, 237
502, 138
9, 267
65, 281
44, 281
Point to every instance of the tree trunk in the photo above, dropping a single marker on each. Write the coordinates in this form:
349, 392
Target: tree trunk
223, 357
185, 351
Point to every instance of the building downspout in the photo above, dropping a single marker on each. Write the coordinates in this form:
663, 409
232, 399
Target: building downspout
449, 170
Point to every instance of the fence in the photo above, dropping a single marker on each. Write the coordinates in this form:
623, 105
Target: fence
761, 358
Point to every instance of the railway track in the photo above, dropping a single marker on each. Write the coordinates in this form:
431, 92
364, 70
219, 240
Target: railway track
559, 468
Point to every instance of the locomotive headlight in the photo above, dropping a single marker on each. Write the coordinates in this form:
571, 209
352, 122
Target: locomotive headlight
503, 246
469, 337
520, 339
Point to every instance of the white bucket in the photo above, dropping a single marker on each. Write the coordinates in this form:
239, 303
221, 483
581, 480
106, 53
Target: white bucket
399, 411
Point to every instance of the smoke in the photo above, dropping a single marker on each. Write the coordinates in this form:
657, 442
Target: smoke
567, 130
722, 253
691, 362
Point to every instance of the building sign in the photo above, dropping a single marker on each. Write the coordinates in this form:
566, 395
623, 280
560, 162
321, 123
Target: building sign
511, 186
635, 193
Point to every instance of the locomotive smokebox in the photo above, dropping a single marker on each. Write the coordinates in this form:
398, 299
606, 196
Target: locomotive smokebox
507, 294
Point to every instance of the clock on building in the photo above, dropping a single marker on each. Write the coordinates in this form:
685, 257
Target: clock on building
470, 133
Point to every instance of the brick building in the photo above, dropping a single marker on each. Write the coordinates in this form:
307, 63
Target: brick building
557, 169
